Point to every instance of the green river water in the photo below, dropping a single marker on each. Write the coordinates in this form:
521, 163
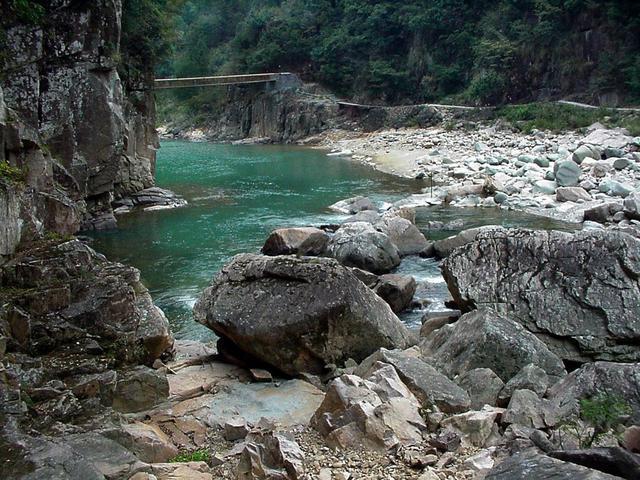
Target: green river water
237, 195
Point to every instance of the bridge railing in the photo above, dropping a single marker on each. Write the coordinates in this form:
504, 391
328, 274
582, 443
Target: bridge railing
163, 83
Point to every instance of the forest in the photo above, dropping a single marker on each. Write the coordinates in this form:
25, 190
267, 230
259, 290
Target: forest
479, 52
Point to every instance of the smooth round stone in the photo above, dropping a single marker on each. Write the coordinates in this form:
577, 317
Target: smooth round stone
545, 186
500, 197
621, 163
541, 162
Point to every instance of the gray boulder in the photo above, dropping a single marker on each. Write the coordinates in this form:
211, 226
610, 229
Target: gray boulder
425, 382
404, 235
353, 205
612, 460
301, 241
379, 412
577, 292
298, 314
140, 389
531, 377
396, 290
603, 213
567, 173
445, 246
482, 385
572, 194
530, 466
585, 151
360, 245
528, 410
620, 380
486, 339
632, 206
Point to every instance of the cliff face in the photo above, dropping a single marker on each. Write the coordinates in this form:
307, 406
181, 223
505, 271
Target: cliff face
60, 78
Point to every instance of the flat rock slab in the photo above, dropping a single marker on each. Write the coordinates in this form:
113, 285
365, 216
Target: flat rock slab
212, 373
292, 403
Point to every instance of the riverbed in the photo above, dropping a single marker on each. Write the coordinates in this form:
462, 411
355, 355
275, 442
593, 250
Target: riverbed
237, 195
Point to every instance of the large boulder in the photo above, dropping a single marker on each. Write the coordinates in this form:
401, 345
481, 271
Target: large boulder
353, 205
360, 245
396, 290
486, 339
425, 382
379, 412
578, 292
447, 245
66, 297
404, 235
528, 466
298, 314
300, 240
618, 380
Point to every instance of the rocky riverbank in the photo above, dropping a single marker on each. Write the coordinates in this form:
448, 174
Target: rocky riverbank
555, 175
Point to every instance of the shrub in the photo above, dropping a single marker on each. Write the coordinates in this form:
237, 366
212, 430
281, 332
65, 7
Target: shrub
202, 455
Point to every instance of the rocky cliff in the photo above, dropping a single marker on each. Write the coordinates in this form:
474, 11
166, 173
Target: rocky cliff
294, 113
59, 75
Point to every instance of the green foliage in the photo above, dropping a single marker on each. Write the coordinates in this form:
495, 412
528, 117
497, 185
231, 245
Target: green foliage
202, 455
603, 413
27, 11
12, 174
557, 117
600, 415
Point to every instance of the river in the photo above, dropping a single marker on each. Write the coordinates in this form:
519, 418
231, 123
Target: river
237, 195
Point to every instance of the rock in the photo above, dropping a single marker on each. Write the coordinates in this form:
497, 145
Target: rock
474, 428
585, 151
482, 385
578, 292
353, 205
424, 381
611, 152
379, 414
621, 163
530, 377
614, 188
528, 466
360, 245
147, 442
140, 389
486, 339
616, 379
446, 441
298, 314
632, 206
567, 173
368, 216
500, 198
609, 138
631, 438
404, 235
235, 429
97, 299
431, 324
602, 213
270, 456
611, 460
396, 290
572, 194
541, 162
301, 241
527, 409
107, 456
444, 247
181, 471
156, 198
481, 462
260, 375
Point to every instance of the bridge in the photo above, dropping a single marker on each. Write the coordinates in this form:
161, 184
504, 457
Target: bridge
279, 80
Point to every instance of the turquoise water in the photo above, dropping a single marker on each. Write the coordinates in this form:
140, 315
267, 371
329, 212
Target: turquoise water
237, 195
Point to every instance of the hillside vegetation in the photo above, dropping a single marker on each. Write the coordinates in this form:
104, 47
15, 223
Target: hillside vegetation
480, 51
